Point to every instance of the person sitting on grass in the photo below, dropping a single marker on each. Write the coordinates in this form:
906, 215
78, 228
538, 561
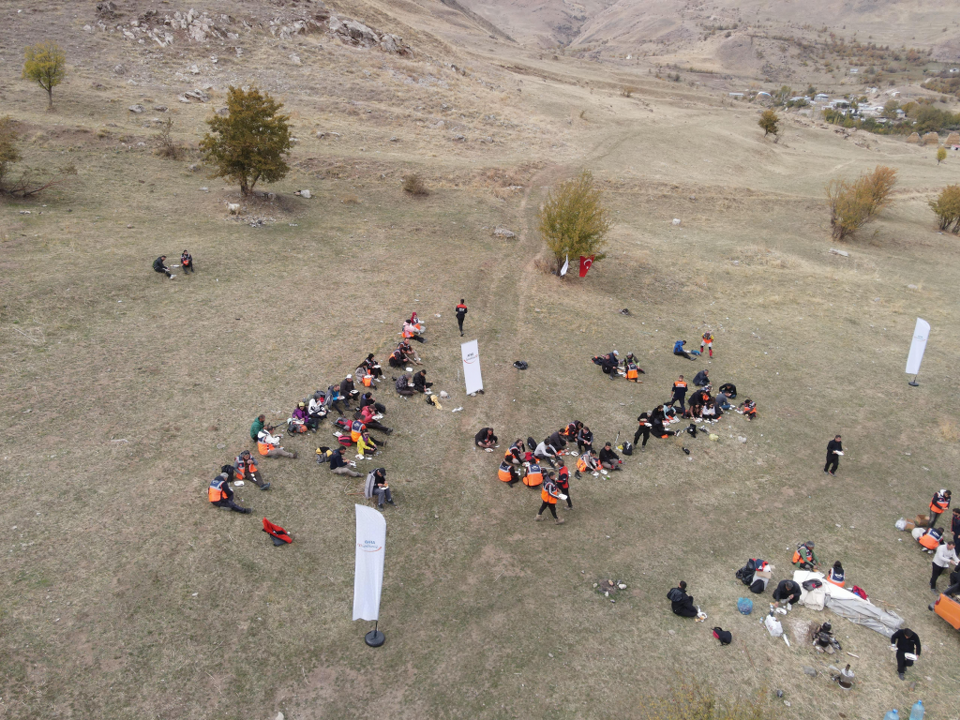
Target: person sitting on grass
681, 603
160, 267
300, 420
411, 332
749, 409
632, 369
702, 378
787, 591
804, 556
420, 383
404, 386
220, 494
608, 363
366, 446
366, 415
268, 445
316, 408
485, 438
730, 390
515, 453
380, 488
186, 262
584, 439
245, 468
678, 349
723, 400
587, 462
546, 451
339, 466
609, 459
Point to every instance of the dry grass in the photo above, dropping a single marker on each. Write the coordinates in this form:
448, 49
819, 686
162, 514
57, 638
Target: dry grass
128, 596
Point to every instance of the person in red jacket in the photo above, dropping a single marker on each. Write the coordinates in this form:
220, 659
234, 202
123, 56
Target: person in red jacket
563, 483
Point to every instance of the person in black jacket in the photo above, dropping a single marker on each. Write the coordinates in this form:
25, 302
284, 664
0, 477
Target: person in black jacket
643, 429
186, 262
834, 450
420, 383
680, 602
730, 390
609, 459
339, 466
220, 494
160, 267
584, 439
702, 378
461, 314
608, 363
786, 591
906, 641
955, 524
485, 438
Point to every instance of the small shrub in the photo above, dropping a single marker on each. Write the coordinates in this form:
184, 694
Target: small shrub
769, 122
941, 155
879, 185
853, 205
350, 200
627, 91
166, 145
414, 185
947, 208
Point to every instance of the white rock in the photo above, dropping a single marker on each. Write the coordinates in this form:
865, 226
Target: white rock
676, 221
305, 194
741, 438
136, 109
193, 70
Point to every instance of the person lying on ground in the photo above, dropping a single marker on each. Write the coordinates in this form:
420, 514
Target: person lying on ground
787, 591
730, 390
702, 378
631, 369
678, 349
680, 602
584, 439
339, 466
220, 494
404, 386
609, 459
749, 409
586, 463
546, 451
420, 383
485, 438
244, 468
804, 556
268, 445
608, 363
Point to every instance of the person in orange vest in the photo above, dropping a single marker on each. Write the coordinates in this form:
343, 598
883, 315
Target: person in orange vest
749, 410
461, 314
928, 538
804, 556
707, 341
940, 502
587, 462
633, 369
835, 574
549, 495
245, 468
268, 444
563, 484
411, 331
534, 475
514, 454
220, 494
679, 394
507, 473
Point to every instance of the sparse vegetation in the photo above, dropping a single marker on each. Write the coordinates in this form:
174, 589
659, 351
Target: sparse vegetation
941, 154
415, 185
699, 701
45, 64
251, 142
30, 181
573, 220
769, 122
852, 205
167, 146
627, 91
947, 208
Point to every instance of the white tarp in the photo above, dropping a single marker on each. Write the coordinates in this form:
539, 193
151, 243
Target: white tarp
471, 366
920, 334
368, 575
847, 605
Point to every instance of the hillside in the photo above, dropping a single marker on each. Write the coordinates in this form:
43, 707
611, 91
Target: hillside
129, 596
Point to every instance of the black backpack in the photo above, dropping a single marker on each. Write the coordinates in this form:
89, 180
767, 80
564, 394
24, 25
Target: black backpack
692, 429
520, 364
628, 448
722, 635
531, 443
745, 574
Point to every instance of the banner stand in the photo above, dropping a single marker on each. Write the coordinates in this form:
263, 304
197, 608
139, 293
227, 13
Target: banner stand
374, 638
914, 382
917, 346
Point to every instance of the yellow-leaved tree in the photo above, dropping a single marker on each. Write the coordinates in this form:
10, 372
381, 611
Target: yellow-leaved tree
46, 65
573, 221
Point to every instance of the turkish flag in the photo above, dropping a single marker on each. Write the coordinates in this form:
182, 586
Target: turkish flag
585, 264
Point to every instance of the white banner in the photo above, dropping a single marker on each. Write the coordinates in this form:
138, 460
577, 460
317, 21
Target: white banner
566, 266
471, 366
919, 344
368, 577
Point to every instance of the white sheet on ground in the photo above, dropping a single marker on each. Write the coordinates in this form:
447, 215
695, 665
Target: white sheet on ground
847, 605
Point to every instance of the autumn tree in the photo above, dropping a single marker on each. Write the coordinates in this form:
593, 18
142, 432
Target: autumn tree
941, 154
573, 221
852, 205
770, 122
46, 65
947, 208
251, 142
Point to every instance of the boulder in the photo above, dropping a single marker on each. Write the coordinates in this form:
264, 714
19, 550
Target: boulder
136, 109
502, 232
360, 32
159, 108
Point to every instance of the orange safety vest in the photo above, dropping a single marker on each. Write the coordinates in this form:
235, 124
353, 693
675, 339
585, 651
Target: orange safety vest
581, 464
929, 542
547, 497
680, 384
533, 477
356, 430
707, 338
938, 506
263, 448
839, 583
215, 492
504, 472
407, 334
632, 373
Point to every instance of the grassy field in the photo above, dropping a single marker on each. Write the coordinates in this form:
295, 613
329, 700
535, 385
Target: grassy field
128, 596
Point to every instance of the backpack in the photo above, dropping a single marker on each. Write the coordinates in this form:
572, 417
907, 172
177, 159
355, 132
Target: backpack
811, 584
745, 606
520, 365
628, 448
859, 592
323, 455
342, 422
531, 443
745, 574
675, 595
758, 586
722, 635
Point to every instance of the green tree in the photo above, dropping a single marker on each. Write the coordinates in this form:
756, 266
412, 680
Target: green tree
573, 221
251, 142
947, 208
46, 65
941, 154
769, 122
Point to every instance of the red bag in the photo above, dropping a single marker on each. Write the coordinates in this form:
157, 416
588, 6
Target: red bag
859, 591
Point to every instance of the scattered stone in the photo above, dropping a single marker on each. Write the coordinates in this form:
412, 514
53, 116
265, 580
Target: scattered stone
295, 59
159, 108
136, 109
193, 70
842, 253
912, 287
809, 671
223, 112
321, 135
502, 232
676, 221
194, 168
129, 227
459, 138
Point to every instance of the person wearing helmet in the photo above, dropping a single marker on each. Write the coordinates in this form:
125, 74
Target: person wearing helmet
220, 494
244, 468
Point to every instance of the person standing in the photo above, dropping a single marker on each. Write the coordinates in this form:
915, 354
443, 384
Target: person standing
940, 502
461, 314
563, 483
643, 429
220, 494
905, 641
160, 267
679, 394
942, 559
186, 262
834, 451
707, 341
549, 494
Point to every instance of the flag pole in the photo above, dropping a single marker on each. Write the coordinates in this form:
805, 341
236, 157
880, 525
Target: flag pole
374, 638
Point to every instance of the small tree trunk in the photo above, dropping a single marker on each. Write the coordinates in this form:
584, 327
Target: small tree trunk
50, 98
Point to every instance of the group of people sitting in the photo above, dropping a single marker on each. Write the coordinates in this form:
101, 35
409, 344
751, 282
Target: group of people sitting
614, 367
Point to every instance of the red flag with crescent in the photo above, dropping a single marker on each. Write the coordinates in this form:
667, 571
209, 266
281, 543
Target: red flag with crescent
585, 264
